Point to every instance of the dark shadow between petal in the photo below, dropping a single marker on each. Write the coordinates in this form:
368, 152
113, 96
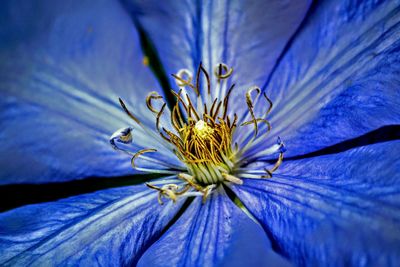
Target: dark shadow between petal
235, 199
184, 207
155, 65
154, 62
16, 195
383, 134
182, 210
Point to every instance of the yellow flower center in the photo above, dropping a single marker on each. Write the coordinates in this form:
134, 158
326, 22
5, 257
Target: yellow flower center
199, 131
205, 148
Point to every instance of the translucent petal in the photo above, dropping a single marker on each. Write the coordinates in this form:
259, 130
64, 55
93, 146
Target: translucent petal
63, 66
246, 35
216, 233
339, 78
333, 210
106, 228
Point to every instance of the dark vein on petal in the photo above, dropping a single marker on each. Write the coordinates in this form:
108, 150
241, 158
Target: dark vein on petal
225, 33
198, 33
16, 195
209, 34
290, 41
288, 45
354, 201
191, 233
209, 217
75, 222
330, 204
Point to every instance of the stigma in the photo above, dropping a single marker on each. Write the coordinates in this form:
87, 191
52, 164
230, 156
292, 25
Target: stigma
203, 130
201, 133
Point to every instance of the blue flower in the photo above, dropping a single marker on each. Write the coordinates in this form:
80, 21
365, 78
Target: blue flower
330, 68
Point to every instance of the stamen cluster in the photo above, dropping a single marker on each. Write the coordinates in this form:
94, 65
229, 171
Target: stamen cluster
201, 134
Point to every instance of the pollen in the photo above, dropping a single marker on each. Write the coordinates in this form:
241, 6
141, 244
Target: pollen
145, 61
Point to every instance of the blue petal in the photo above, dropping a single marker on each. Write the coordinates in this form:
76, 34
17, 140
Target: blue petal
333, 210
340, 77
248, 36
63, 66
216, 233
107, 228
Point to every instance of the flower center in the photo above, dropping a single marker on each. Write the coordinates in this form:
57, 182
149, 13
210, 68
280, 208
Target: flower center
206, 149
199, 131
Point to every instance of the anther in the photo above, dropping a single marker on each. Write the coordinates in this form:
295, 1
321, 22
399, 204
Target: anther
233, 179
123, 135
169, 190
183, 77
149, 98
207, 191
127, 111
223, 67
140, 152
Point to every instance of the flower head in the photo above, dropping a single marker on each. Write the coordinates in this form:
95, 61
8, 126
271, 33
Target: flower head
330, 69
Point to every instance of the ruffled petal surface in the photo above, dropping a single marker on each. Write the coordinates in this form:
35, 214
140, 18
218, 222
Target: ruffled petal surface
216, 233
333, 210
246, 35
107, 228
339, 78
63, 66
